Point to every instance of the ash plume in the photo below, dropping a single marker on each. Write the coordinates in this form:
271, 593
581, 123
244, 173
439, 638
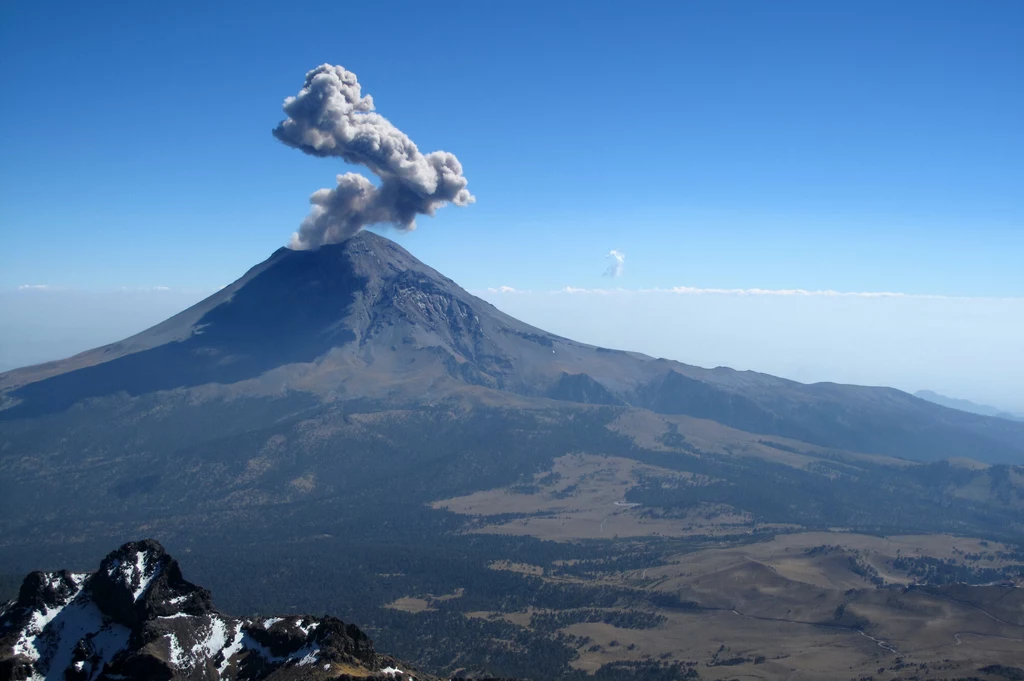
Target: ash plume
618, 263
330, 117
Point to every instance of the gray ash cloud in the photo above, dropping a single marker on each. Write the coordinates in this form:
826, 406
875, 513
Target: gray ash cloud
330, 117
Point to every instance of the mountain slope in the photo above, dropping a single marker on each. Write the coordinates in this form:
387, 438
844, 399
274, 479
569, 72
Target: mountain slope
366, 320
306, 435
137, 618
966, 405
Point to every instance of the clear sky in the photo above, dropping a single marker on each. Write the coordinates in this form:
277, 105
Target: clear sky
847, 146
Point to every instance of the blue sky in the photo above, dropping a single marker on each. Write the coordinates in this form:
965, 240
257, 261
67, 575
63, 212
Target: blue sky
851, 146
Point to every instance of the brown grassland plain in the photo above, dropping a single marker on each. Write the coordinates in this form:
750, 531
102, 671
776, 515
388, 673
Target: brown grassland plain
762, 602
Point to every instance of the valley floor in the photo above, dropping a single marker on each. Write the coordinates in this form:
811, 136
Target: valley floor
576, 543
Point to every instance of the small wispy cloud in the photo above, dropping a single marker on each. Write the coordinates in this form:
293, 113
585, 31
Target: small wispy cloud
618, 263
828, 293
87, 290
738, 292
159, 289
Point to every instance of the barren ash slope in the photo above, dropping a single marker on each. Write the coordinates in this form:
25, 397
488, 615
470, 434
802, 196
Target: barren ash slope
365, 320
137, 618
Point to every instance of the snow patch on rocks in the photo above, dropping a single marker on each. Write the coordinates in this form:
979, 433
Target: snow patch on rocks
114, 624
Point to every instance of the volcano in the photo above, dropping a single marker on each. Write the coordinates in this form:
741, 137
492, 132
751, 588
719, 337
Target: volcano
364, 319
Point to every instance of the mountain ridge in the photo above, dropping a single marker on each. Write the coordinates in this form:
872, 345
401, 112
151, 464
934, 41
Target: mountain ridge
137, 618
365, 319
967, 405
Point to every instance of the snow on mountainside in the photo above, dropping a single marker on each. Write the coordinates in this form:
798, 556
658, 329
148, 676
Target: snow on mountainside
137, 618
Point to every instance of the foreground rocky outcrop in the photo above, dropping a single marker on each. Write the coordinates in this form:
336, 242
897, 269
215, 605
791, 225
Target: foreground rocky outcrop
138, 618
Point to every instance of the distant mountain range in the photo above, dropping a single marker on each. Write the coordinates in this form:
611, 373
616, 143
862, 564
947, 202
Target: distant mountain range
967, 405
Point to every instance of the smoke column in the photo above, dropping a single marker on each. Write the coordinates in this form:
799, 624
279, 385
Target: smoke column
618, 263
331, 117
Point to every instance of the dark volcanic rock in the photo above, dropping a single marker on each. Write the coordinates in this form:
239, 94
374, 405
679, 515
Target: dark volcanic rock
140, 581
137, 618
47, 590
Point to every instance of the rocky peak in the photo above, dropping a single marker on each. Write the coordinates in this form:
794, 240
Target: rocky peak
140, 581
45, 590
137, 618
